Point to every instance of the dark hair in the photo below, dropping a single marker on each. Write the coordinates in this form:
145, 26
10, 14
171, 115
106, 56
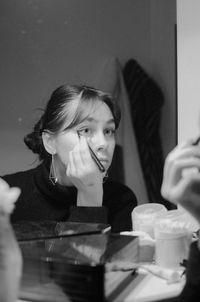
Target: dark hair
59, 115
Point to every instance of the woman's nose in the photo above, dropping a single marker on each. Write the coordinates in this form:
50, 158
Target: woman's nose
99, 141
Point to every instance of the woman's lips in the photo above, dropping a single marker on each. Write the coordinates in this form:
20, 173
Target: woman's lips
104, 162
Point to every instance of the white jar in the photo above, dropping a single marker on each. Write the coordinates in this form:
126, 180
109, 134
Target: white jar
143, 217
172, 239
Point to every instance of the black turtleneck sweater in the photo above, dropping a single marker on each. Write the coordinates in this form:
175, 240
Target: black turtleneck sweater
41, 200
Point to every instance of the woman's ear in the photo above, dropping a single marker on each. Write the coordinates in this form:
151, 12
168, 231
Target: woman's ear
49, 142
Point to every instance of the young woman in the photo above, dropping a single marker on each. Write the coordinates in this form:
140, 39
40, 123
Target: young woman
75, 141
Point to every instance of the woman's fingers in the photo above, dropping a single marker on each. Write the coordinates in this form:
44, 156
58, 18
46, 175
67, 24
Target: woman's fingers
181, 168
3, 185
14, 194
82, 159
71, 169
8, 196
81, 167
8, 193
77, 166
183, 156
187, 193
85, 152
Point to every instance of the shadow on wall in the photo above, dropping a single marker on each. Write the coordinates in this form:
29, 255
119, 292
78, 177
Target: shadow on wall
14, 155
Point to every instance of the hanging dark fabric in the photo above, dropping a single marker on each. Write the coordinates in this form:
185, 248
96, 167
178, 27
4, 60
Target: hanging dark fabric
146, 100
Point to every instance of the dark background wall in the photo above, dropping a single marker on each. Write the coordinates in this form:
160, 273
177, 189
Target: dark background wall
47, 43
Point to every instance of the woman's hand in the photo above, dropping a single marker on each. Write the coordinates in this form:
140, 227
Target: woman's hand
8, 197
85, 175
181, 179
10, 253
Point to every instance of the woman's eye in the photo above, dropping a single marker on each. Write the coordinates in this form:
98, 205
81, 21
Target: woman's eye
110, 132
85, 131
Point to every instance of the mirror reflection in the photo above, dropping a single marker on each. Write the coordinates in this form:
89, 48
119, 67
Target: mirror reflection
117, 47
125, 51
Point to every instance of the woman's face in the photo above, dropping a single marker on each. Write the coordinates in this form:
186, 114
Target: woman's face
99, 130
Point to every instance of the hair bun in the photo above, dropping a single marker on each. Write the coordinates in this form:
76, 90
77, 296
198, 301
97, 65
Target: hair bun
34, 141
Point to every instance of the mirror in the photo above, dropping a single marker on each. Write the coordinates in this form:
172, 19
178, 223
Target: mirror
47, 43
